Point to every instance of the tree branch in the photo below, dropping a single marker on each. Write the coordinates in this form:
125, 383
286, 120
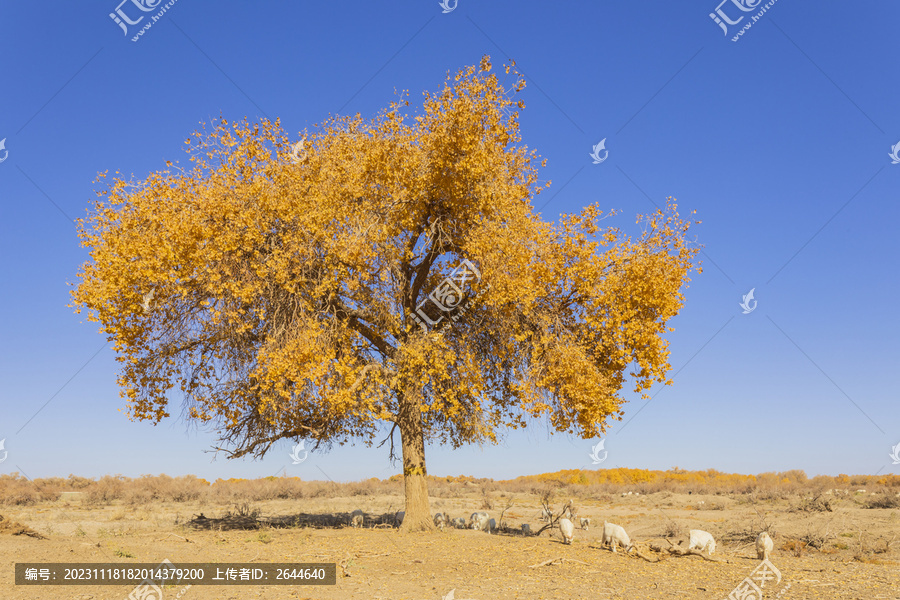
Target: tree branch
393, 457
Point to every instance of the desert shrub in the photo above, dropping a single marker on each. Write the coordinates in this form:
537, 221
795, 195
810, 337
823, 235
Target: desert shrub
795, 547
883, 499
18, 490
108, 489
739, 534
487, 503
363, 488
243, 510
818, 537
76, 483
603, 485
19, 495
813, 504
672, 529
269, 488
860, 481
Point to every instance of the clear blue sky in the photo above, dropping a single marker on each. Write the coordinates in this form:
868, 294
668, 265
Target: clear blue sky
780, 141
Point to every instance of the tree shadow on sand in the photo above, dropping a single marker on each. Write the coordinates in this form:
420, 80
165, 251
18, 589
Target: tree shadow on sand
242, 518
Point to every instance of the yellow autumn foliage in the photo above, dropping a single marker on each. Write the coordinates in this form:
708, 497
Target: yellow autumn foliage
272, 287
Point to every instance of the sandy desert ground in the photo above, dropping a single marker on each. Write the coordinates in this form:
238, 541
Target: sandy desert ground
848, 552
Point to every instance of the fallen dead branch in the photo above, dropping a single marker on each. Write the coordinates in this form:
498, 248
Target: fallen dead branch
545, 563
13, 528
678, 550
647, 557
345, 565
559, 559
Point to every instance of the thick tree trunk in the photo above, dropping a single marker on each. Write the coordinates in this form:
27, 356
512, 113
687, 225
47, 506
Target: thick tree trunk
418, 513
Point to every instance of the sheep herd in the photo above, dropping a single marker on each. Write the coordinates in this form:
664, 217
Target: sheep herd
612, 535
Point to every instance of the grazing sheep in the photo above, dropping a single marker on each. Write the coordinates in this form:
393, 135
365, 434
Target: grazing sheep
357, 518
478, 521
398, 518
546, 515
440, 520
491, 526
459, 523
569, 511
764, 546
702, 541
567, 529
615, 535
526, 529
585, 523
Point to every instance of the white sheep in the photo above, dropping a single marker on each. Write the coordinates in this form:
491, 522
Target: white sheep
546, 515
491, 526
570, 511
357, 518
526, 529
567, 529
585, 523
615, 535
440, 520
764, 546
703, 541
478, 521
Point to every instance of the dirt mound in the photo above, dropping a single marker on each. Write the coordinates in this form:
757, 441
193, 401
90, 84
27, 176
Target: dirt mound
13, 528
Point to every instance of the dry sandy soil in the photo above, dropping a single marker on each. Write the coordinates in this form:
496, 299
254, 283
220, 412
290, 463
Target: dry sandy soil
858, 556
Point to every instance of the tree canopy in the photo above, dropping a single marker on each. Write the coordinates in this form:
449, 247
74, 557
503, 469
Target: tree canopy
300, 291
